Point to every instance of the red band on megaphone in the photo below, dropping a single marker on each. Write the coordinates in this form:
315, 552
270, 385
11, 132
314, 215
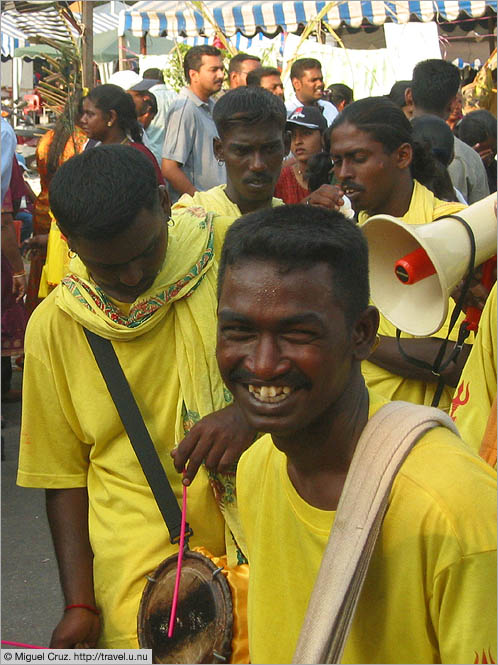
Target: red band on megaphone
413, 267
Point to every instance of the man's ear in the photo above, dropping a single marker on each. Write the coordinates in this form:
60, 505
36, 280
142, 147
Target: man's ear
165, 200
447, 108
364, 333
296, 84
408, 97
404, 155
218, 149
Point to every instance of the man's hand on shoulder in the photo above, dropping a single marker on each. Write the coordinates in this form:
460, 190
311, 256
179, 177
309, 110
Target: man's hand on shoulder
327, 196
78, 629
218, 440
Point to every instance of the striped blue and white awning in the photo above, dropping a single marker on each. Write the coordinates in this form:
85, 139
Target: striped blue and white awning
177, 19
12, 37
48, 23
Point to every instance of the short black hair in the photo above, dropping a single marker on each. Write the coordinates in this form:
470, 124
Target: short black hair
150, 99
254, 77
299, 237
99, 193
302, 65
380, 118
153, 73
432, 131
434, 84
397, 93
237, 60
248, 105
193, 58
109, 97
387, 124
476, 126
340, 92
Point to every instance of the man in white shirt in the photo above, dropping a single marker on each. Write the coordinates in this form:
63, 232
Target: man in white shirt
307, 81
164, 98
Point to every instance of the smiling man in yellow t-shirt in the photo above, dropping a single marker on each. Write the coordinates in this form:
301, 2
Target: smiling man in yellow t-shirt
294, 325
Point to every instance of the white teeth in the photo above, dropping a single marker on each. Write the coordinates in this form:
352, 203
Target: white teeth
270, 394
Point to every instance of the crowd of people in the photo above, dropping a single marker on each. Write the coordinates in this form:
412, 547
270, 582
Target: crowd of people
214, 237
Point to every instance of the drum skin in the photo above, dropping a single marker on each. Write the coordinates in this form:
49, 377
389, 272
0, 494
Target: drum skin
203, 626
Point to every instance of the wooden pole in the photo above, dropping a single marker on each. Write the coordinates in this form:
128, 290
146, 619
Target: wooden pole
87, 45
121, 53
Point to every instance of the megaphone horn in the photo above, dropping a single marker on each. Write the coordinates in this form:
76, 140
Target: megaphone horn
415, 267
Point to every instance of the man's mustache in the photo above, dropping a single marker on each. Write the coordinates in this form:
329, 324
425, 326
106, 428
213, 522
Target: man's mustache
293, 379
259, 179
348, 184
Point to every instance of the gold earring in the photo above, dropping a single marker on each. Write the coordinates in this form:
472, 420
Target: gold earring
71, 254
109, 124
375, 344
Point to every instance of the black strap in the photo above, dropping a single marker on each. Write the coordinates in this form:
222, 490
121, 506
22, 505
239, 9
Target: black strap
438, 366
138, 434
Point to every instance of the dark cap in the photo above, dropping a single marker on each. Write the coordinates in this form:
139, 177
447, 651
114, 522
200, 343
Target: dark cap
308, 116
143, 85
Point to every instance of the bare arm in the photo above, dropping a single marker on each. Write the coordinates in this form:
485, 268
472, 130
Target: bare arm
173, 173
12, 253
388, 357
218, 440
67, 512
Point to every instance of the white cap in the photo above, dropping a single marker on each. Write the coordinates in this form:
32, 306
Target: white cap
125, 79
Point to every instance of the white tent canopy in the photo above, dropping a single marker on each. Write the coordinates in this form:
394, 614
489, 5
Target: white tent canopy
179, 19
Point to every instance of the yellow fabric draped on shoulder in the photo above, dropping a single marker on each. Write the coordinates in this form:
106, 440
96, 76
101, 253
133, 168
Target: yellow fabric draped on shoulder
57, 261
424, 207
185, 289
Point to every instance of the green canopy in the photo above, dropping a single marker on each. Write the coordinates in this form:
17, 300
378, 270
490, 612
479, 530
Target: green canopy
35, 51
105, 47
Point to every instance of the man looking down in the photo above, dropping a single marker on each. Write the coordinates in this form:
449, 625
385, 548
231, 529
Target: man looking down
151, 290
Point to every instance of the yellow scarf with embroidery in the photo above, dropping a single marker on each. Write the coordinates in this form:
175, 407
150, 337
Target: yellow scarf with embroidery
186, 289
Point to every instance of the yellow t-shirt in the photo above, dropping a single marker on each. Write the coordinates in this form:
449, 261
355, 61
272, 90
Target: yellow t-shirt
424, 208
71, 436
213, 200
430, 591
476, 391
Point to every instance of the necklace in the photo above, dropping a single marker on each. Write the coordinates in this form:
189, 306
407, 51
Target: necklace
300, 177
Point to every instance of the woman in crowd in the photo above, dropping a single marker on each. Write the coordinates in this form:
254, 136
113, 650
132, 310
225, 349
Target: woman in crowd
306, 125
54, 148
478, 129
108, 115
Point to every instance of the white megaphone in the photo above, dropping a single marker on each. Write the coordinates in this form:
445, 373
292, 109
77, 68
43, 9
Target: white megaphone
415, 267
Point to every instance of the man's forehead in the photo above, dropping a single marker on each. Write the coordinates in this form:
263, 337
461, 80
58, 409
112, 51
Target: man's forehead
211, 61
271, 79
315, 72
255, 133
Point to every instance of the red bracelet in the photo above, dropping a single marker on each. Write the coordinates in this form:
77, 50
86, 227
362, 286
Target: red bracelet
90, 608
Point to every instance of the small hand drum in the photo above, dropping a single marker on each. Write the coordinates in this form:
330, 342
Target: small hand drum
203, 626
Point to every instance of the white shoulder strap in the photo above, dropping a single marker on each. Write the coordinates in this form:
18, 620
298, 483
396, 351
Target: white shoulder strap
385, 442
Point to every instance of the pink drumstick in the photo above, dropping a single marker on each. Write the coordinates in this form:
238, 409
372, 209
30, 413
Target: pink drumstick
172, 617
22, 646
